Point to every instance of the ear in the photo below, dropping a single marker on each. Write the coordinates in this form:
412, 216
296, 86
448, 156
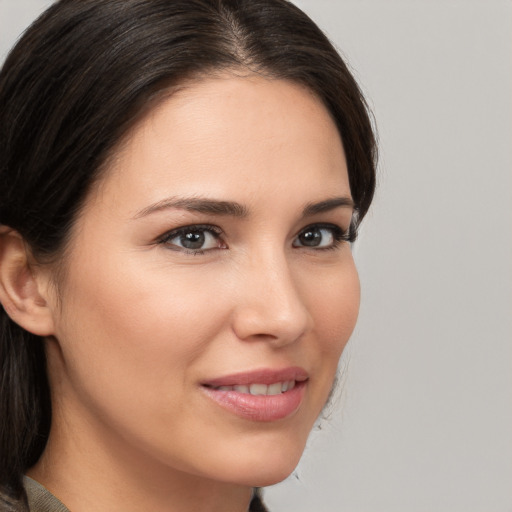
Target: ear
24, 286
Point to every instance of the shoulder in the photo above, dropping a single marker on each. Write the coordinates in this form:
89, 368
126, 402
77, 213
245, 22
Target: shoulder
41, 499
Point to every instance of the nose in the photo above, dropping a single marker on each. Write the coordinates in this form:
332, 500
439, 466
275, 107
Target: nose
269, 304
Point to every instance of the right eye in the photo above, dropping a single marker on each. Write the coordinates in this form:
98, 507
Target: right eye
322, 236
193, 239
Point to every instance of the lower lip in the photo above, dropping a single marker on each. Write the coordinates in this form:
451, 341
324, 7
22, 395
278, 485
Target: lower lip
259, 407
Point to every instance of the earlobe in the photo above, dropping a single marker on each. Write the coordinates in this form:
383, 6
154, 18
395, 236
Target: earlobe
23, 294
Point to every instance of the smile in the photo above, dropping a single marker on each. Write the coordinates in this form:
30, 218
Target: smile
262, 395
260, 389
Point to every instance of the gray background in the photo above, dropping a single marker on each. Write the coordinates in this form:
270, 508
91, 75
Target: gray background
423, 421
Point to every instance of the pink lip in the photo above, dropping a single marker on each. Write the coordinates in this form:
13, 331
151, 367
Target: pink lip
262, 376
263, 408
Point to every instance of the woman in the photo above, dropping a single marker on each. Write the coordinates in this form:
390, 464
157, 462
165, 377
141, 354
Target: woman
180, 184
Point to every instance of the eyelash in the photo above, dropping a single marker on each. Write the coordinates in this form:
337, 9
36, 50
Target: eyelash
205, 228
339, 236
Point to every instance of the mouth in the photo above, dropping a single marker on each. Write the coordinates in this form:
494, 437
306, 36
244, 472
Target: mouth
260, 389
263, 395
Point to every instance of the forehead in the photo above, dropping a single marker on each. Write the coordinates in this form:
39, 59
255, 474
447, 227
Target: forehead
230, 135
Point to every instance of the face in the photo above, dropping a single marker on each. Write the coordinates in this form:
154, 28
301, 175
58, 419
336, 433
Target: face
209, 288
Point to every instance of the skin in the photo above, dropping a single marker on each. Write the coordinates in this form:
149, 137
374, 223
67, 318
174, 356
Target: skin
138, 324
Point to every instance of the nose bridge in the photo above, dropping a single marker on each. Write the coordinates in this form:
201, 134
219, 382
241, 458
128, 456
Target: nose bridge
270, 304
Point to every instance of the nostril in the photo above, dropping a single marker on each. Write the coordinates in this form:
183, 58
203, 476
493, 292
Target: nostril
268, 328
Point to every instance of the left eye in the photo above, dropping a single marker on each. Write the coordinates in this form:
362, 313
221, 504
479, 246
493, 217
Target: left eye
318, 237
193, 238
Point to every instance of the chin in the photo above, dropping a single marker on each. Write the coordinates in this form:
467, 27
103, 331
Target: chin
265, 476
268, 466
272, 478
266, 455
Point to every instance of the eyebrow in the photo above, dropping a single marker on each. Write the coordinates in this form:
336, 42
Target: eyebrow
329, 204
234, 209
195, 204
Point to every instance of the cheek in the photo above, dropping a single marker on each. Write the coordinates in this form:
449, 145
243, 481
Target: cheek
336, 306
334, 310
146, 313
132, 330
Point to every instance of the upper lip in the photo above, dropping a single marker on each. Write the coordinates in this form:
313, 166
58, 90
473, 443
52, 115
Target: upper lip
259, 376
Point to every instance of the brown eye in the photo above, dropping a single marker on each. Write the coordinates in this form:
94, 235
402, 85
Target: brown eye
311, 237
319, 237
193, 238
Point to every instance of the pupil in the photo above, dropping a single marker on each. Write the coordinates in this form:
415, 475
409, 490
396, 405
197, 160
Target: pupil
193, 240
311, 238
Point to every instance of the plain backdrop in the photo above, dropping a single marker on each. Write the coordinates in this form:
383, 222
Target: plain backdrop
423, 419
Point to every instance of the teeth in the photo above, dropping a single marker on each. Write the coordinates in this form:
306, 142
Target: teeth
286, 386
258, 389
274, 389
261, 389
